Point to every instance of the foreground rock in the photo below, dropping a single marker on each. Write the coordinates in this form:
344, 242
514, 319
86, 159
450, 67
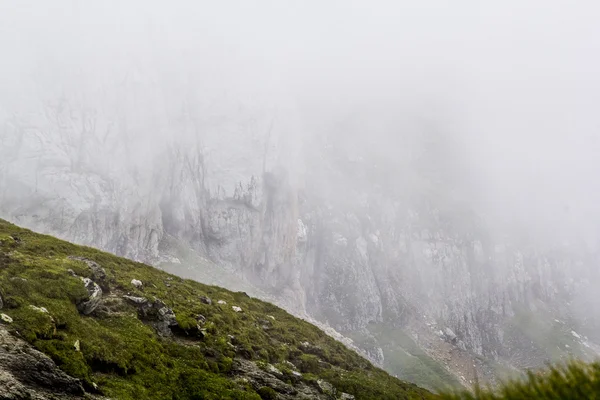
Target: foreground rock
25, 373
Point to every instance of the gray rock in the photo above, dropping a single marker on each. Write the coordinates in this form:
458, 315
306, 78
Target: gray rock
156, 313
325, 387
136, 300
6, 319
205, 300
26, 373
89, 305
98, 273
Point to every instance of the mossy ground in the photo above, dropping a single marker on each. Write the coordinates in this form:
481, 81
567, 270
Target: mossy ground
128, 360
405, 359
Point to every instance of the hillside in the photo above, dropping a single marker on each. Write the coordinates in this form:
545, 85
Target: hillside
125, 330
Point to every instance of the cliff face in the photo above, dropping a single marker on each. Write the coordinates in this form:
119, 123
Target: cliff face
318, 225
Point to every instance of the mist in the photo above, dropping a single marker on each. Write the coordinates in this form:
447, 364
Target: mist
426, 166
514, 85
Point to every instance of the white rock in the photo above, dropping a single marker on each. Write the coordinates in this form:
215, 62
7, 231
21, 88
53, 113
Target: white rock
6, 318
77, 345
136, 283
575, 334
39, 309
221, 302
236, 308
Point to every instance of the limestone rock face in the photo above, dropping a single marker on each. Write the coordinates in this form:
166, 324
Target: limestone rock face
322, 227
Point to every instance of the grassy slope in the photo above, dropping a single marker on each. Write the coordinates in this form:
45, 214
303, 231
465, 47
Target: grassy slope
573, 381
128, 360
405, 359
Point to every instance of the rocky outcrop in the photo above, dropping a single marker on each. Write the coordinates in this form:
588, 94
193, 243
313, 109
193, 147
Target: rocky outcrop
155, 312
27, 374
323, 227
94, 296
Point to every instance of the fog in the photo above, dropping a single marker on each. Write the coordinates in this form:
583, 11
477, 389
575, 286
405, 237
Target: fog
514, 85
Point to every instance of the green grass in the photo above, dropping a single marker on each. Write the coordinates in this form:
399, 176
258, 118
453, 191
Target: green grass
572, 381
128, 360
405, 359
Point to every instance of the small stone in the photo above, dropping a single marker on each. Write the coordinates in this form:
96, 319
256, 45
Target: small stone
6, 318
39, 309
272, 317
325, 387
205, 300
201, 318
136, 300
346, 396
136, 283
77, 345
236, 308
221, 302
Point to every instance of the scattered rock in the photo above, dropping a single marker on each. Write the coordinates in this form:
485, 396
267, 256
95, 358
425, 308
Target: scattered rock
98, 273
156, 313
346, 396
77, 345
273, 370
6, 319
259, 378
449, 335
18, 279
236, 308
136, 300
221, 302
201, 319
201, 332
205, 300
325, 387
309, 348
94, 296
137, 283
39, 309
296, 374
272, 317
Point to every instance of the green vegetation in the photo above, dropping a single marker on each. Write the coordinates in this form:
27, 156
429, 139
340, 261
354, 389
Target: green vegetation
124, 356
407, 360
573, 381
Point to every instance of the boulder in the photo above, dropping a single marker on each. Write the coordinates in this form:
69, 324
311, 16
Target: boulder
222, 302
236, 308
205, 300
156, 313
6, 319
89, 305
26, 373
98, 273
